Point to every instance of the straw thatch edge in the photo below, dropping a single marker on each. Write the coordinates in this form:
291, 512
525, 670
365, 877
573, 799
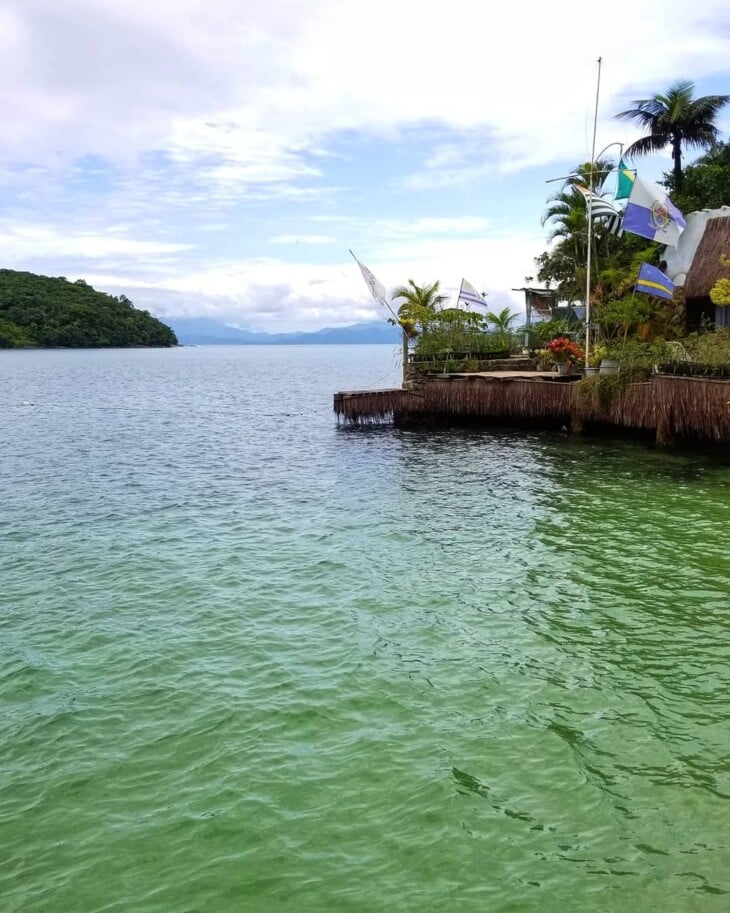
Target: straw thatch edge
707, 266
673, 408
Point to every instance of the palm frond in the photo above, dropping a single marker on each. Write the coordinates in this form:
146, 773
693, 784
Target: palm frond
648, 145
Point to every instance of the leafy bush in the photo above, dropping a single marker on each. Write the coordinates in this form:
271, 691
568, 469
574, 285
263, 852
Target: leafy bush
542, 332
443, 338
720, 293
700, 355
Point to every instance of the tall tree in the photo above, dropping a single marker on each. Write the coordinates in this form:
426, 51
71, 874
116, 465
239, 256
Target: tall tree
706, 181
675, 119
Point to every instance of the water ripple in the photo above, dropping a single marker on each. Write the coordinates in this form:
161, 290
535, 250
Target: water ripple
251, 660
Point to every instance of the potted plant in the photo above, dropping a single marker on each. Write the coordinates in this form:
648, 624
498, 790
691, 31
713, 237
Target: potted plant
609, 362
544, 361
596, 355
565, 354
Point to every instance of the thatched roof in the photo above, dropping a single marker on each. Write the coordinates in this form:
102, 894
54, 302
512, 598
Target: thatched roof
706, 266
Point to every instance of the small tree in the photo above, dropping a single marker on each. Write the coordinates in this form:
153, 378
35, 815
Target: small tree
420, 305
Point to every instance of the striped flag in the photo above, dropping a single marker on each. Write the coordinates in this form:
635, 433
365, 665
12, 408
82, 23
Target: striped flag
469, 294
602, 209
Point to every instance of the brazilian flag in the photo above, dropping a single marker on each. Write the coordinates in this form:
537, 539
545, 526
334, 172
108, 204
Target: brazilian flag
626, 179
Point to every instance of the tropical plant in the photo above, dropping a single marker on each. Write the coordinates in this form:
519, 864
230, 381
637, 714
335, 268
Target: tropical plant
542, 331
502, 322
563, 350
501, 328
560, 269
675, 119
567, 208
596, 355
566, 212
706, 182
564, 265
709, 348
720, 291
420, 305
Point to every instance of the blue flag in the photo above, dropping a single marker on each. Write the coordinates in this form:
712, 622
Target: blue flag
652, 281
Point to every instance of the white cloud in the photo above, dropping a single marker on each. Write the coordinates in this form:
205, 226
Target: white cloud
434, 225
22, 243
209, 78
153, 124
273, 295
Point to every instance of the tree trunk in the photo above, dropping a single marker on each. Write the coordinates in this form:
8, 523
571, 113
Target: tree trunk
677, 156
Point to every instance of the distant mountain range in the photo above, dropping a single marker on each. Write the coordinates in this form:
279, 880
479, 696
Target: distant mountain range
203, 331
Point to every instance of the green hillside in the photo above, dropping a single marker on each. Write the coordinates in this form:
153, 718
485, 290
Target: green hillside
40, 311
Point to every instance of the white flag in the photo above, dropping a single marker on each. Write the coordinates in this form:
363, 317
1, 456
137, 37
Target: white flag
377, 289
469, 294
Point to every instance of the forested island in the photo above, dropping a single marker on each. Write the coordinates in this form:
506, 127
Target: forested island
47, 313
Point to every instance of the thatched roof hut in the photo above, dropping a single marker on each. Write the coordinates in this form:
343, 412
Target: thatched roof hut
708, 266
696, 264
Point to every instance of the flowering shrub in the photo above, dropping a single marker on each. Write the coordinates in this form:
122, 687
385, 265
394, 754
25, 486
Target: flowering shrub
563, 349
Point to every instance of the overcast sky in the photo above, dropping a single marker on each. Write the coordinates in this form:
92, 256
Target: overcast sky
219, 157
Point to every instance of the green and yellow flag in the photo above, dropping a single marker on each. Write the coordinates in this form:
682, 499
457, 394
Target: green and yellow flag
626, 179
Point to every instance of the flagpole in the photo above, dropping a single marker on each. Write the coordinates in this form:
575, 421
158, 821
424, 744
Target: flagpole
590, 217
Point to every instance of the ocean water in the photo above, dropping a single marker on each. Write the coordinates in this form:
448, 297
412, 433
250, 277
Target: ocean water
253, 661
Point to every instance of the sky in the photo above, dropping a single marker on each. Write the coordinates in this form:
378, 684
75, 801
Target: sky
219, 158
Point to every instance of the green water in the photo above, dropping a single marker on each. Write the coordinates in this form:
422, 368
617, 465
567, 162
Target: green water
251, 661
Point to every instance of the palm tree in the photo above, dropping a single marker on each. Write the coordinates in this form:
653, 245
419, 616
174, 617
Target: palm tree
420, 305
503, 321
567, 213
567, 208
675, 119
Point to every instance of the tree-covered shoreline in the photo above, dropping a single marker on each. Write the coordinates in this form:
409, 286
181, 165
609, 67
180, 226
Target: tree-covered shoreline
44, 312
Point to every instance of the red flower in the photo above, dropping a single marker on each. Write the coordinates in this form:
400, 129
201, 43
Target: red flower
564, 349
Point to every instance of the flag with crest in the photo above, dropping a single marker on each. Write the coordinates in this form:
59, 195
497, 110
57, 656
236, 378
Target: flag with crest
651, 214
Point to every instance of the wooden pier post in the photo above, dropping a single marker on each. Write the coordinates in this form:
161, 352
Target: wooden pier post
405, 360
